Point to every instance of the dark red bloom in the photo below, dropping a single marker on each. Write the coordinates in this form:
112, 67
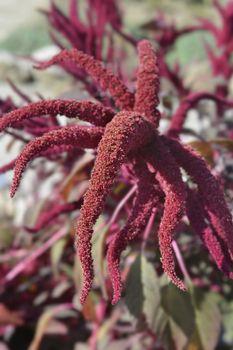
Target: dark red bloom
130, 138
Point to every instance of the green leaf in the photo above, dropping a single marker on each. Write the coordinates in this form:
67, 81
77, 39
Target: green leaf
178, 306
207, 321
227, 315
134, 290
177, 316
56, 253
43, 323
81, 346
142, 290
151, 292
98, 247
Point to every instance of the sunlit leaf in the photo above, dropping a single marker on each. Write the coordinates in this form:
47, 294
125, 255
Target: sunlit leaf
142, 290
43, 324
56, 254
178, 316
207, 321
81, 346
98, 247
227, 315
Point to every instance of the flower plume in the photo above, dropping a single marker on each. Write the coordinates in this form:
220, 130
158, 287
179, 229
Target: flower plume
124, 99
129, 139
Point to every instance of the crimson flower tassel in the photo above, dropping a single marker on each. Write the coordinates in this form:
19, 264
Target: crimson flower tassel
81, 136
124, 99
168, 175
146, 97
130, 138
87, 111
127, 131
197, 217
147, 197
211, 194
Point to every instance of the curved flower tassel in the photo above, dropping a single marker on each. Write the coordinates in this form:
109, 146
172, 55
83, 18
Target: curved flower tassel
105, 78
217, 250
126, 132
88, 111
52, 153
146, 199
169, 177
146, 97
211, 193
80, 136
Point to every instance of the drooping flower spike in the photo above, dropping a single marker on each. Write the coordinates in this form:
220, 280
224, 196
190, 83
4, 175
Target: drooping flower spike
128, 139
197, 216
79, 136
52, 153
87, 111
168, 175
210, 191
147, 197
127, 131
108, 81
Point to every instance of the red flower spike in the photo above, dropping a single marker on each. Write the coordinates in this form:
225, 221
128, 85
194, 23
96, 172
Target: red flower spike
128, 138
147, 86
126, 132
197, 220
86, 110
146, 199
169, 177
105, 78
52, 153
80, 136
209, 188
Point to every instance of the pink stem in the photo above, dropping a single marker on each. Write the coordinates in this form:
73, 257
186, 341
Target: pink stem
20, 267
180, 261
122, 204
148, 229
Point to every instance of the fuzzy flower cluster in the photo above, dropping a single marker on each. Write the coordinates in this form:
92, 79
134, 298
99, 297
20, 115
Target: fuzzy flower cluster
128, 137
